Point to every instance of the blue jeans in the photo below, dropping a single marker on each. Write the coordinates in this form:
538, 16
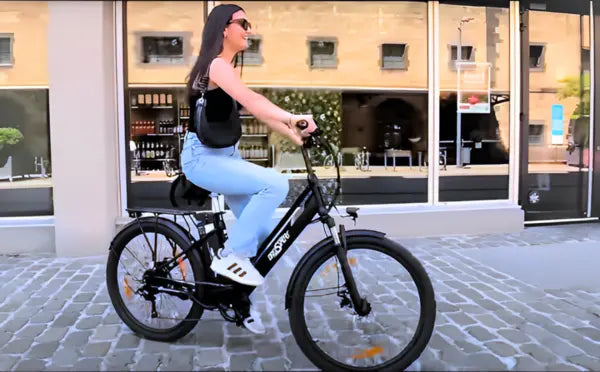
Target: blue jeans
252, 192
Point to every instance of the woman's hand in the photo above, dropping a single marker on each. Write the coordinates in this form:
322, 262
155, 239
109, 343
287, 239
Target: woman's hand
305, 124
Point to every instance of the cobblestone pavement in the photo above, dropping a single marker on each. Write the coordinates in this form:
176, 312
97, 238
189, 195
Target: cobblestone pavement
55, 314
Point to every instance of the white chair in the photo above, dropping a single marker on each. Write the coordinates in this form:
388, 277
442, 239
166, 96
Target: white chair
6, 170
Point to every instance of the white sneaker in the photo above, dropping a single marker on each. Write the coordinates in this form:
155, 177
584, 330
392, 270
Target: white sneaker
237, 269
254, 324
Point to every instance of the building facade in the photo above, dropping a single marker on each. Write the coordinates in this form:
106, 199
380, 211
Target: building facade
447, 116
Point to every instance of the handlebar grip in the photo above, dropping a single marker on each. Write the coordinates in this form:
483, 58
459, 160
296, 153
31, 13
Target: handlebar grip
302, 124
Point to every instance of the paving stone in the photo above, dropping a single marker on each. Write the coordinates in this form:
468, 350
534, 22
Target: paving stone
239, 344
66, 356
501, 348
210, 357
277, 364
462, 319
65, 320
7, 361
490, 321
96, 309
586, 361
243, 362
540, 354
467, 347
514, 335
148, 362
480, 333
42, 317
451, 331
17, 346
43, 350
52, 334
268, 350
84, 297
485, 361
77, 338
31, 331
591, 333
30, 365
88, 364
106, 332
96, 349
561, 367
88, 323
14, 325
128, 341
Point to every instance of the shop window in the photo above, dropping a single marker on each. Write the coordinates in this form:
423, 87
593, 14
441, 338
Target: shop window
467, 54
536, 133
6, 49
536, 57
393, 56
253, 55
163, 49
323, 53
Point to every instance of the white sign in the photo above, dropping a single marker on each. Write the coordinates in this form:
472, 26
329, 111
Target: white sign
473, 94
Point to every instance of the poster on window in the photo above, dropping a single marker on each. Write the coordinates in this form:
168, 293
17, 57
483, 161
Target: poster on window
473, 87
557, 124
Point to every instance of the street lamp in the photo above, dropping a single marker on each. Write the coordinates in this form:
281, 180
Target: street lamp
464, 20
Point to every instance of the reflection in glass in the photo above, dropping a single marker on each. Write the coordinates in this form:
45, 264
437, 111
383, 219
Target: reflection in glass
559, 116
474, 162
366, 85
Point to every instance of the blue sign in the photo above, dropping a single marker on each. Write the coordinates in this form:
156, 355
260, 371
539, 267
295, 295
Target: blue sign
557, 125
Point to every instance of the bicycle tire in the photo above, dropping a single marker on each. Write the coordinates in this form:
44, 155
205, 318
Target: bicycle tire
419, 276
170, 231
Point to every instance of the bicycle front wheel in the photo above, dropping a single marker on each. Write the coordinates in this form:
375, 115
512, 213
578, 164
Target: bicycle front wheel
134, 252
402, 308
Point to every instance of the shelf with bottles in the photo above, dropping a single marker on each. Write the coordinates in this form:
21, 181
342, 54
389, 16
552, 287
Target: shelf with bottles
254, 152
155, 150
152, 100
253, 128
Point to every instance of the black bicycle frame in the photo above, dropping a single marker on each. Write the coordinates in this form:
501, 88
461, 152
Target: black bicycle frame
308, 204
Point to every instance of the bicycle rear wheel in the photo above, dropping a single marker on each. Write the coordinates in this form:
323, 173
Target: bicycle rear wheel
136, 250
395, 331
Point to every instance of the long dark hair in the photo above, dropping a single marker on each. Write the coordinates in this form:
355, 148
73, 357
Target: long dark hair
212, 41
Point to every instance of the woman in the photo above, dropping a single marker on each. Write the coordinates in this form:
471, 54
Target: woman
252, 192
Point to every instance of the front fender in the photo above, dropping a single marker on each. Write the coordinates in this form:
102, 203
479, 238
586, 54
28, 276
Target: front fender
326, 243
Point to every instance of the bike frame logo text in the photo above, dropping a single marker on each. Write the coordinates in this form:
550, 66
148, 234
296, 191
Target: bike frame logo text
278, 246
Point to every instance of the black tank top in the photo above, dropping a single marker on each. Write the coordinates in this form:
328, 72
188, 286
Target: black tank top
218, 106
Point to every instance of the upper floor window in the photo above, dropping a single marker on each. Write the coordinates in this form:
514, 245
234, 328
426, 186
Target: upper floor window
536, 56
323, 53
393, 56
6, 49
163, 49
253, 55
467, 54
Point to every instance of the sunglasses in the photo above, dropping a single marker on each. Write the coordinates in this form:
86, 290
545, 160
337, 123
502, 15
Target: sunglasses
242, 22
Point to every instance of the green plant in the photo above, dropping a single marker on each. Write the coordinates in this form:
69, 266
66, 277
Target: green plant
572, 87
10, 136
325, 106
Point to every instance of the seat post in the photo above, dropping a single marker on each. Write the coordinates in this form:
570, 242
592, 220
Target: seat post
217, 202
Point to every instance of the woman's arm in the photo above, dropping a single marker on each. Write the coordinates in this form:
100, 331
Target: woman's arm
225, 76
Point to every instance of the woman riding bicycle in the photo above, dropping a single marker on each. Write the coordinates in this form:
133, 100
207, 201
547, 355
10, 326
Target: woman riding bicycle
252, 192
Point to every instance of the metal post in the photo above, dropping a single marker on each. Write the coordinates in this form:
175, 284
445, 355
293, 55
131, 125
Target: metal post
458, 116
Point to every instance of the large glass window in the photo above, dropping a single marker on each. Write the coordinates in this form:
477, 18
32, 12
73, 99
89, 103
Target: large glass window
359, 68
474, 102
25, 162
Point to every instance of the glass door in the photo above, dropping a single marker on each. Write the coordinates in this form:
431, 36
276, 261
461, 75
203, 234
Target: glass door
555, 127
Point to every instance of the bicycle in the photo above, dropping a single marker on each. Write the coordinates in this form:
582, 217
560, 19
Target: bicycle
337, 284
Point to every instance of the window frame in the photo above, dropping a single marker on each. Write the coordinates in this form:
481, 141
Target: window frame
404, 62
256, 59
542, 136
542, 58
11, 49
186, 51
452, 62
334, 56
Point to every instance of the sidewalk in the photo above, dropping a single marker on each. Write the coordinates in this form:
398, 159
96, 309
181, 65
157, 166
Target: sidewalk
527, 301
